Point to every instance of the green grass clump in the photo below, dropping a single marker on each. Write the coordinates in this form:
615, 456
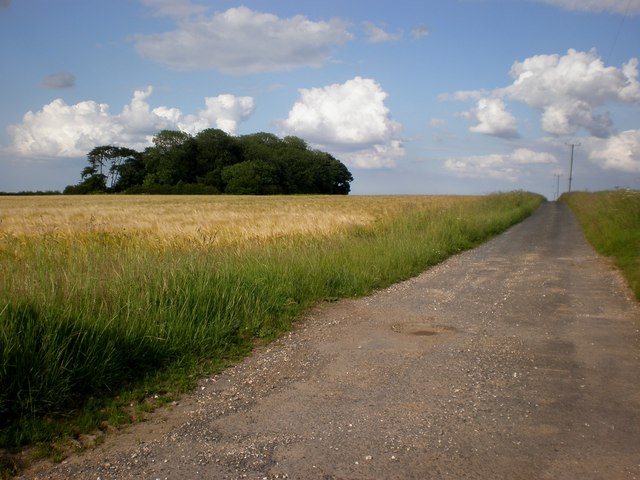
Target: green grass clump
91, 324
611, 223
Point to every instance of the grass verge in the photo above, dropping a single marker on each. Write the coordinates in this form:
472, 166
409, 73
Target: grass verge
611, 223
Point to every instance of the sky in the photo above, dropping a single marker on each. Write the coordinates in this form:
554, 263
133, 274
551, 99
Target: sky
414, 96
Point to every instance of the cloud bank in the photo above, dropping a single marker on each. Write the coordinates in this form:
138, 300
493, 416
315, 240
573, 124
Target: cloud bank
62, 130
242, 41
350, 120
570, 92
508, 167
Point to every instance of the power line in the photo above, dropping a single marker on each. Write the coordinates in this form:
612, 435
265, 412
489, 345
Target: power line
572, 145
617, 34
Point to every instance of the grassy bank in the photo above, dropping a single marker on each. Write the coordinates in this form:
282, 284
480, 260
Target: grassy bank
106, 301
611, 223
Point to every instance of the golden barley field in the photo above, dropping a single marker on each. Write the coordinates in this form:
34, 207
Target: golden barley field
211, 219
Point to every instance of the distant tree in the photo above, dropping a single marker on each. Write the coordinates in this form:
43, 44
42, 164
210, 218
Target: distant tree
171, 159
92, 182
331, 176
295, 143
131, 172
214, 162
117, 156
104, 169
215, 151
254, 177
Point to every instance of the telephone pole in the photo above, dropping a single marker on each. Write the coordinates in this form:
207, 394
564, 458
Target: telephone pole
572, 145
558, 185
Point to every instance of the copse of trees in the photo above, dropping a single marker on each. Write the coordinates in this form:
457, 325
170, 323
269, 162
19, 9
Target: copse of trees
214, 162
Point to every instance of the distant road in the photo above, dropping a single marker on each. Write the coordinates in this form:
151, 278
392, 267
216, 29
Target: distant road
517, 360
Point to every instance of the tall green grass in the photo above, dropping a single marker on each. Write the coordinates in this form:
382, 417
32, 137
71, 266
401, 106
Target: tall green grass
93, 316
611, 223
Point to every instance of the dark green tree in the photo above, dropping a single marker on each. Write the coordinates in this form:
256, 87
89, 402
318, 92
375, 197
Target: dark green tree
254, 177
215, 151
171, 160
215, 162
131, 172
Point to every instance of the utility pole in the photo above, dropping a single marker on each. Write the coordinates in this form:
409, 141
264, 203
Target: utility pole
572, 145
558, 185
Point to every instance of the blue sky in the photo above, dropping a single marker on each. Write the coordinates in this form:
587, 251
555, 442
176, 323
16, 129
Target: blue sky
414, 96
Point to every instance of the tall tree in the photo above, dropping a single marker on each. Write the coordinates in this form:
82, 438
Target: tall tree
131, 172
215, 151
172, 159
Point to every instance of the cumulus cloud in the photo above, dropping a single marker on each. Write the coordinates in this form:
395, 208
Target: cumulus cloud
242, 41
376, 34
59, 80
569, 88
492, 118
625, 7
62, 130
498, 166
225, 111
350, 120
618, 152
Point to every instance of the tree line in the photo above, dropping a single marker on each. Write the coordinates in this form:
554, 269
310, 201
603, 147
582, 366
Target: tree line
214, 162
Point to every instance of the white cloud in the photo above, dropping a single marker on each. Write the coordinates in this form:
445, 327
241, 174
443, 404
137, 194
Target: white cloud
376, 34
493, 119
61, 130
619, 152
420, 32
481, 166
508, 167
176, 8
626, 7
524, 156
463, 95
350, 120
569, 88
227, 111
378, 155
242, 41
59, 80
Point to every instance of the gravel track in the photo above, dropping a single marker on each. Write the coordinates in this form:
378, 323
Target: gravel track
517, 360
